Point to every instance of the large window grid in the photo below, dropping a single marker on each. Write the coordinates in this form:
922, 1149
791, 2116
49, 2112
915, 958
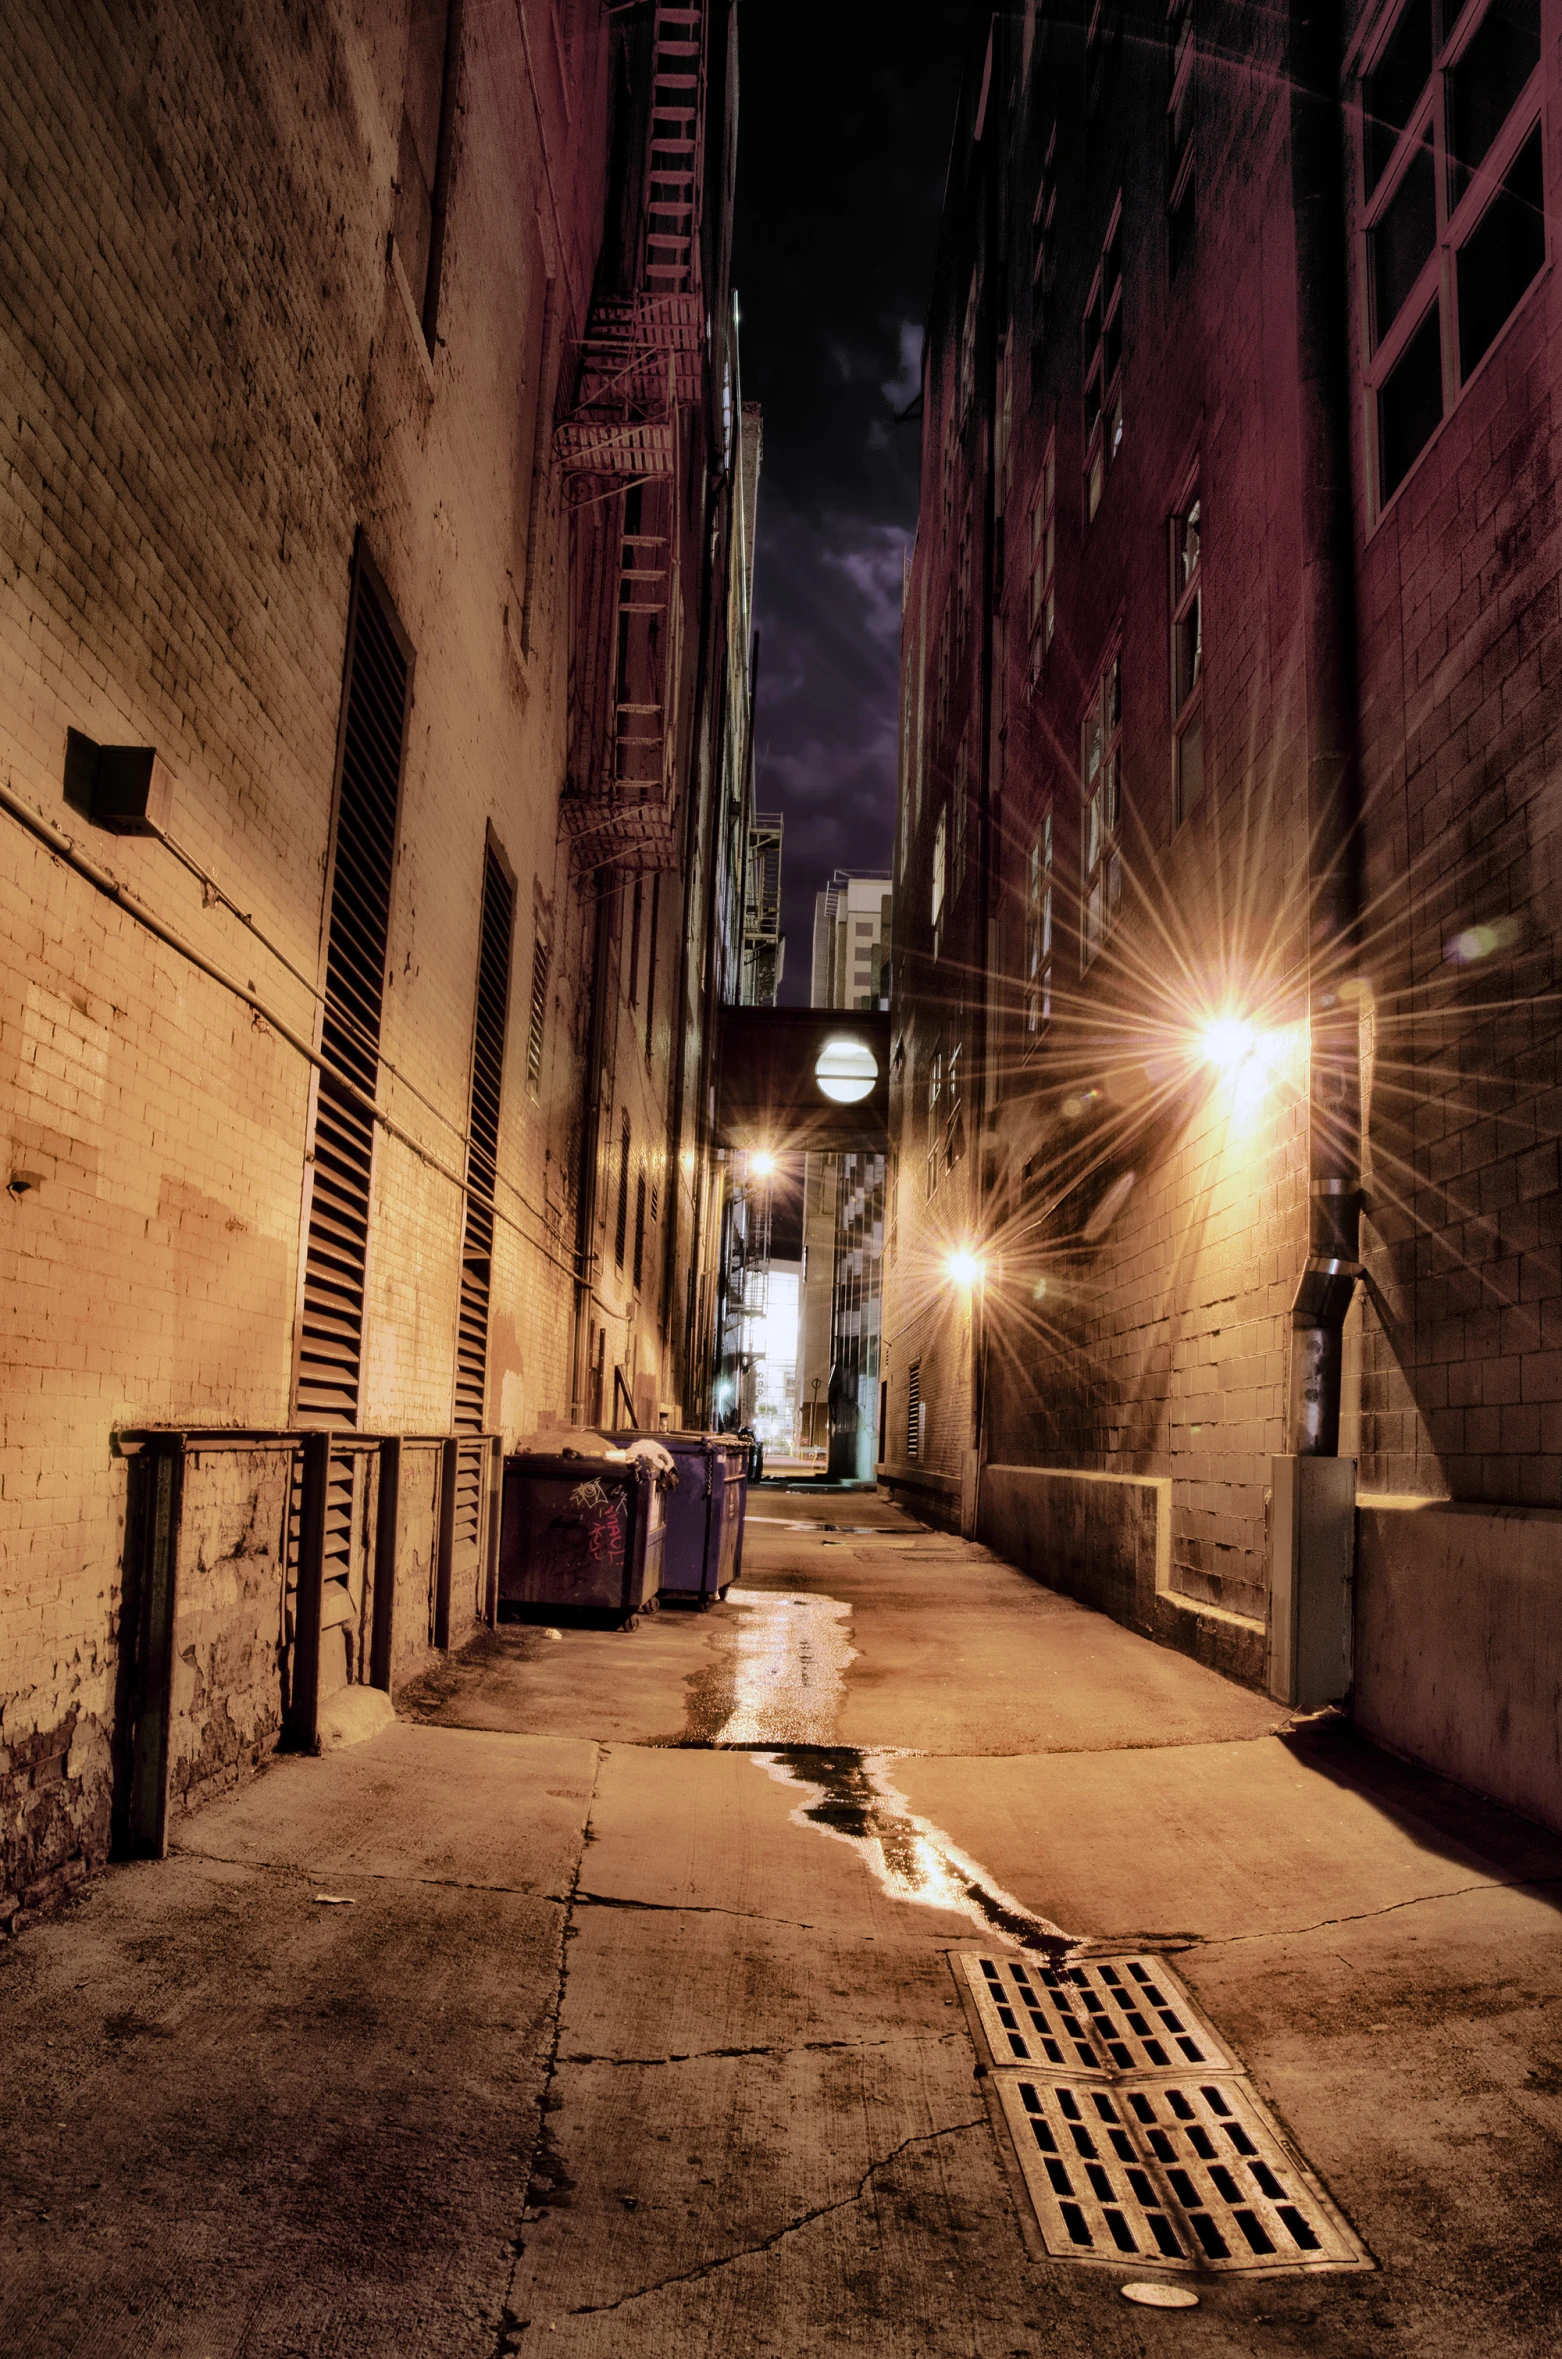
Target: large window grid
1043, 557
1187, 652
1038, 930
1454, 213
1103, 363
1179, 131
1100, 858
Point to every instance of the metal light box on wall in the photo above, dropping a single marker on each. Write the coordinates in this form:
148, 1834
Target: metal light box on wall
803, 1078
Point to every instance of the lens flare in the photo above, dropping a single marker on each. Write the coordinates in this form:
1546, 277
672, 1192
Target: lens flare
762, 1163
964, 1268
1229, 1042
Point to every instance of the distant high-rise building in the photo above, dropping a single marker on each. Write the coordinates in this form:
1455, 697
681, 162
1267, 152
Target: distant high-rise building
843, 1198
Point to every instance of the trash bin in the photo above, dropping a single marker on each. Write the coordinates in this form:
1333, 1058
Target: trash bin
580, 1534
704, 1515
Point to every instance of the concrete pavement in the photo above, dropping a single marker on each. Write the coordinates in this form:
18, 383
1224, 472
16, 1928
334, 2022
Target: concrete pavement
548, 2020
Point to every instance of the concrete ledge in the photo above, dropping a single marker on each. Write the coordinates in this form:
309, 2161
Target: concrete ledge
1459, 1644
937, 1496
1105, 1539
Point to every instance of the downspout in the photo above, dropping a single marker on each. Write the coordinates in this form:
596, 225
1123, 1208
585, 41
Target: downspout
1327, 585
590, 1142
995, 289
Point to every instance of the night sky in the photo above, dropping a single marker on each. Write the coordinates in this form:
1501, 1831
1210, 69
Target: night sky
845, 114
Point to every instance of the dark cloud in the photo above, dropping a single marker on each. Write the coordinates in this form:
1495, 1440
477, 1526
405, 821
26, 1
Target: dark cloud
846, 111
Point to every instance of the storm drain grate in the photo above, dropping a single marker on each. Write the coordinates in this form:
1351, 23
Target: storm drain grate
1133, 2155
1107, 2015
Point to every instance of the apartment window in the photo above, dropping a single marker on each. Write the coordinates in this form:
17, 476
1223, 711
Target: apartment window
1102, 30
621, 1224
954, 1109
940, 842
1453, 178
1038, 930
1187, 653
935, 1117
636, 914
1179, 131
482, 1153
341, 1146
960, 802
968, 353
1044, 226
537, 1019
1043, 557
1103, 358
1100, 859
640, 1196
428, 120
650, 966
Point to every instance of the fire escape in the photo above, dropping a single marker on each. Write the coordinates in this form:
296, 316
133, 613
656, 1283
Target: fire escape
762, 910
641, 365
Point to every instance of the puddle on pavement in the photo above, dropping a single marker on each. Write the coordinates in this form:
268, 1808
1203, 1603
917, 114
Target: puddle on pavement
853, 1796
789, 1669
782, 1688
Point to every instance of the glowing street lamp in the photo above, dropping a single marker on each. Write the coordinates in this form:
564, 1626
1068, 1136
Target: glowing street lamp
1228, 1042
964, 1268
762, 1163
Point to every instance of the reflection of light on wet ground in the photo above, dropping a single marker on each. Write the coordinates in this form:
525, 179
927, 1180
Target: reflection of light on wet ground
789, 1678
791, 1659
853, 1796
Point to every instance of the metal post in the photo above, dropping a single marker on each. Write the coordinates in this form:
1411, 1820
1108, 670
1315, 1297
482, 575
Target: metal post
386, 1529
445, 1561
303, 1720
147, 1830
495, 1517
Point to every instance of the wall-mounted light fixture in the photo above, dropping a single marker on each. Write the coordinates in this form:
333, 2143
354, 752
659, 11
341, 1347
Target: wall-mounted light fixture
126, 788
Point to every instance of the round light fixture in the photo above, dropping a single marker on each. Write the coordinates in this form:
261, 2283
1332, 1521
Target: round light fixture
847, 1070
762, 1163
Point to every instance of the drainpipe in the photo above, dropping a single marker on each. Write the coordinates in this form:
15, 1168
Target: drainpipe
603, 881
1333, 1265
1312, 1518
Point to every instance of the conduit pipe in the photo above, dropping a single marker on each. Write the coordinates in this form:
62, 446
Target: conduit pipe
1333, 812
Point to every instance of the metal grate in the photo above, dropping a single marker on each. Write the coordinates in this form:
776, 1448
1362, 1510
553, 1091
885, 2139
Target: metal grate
342, 1150
1176, 2173
1107, 2015
482, 1161
1139, 2138
914, 1411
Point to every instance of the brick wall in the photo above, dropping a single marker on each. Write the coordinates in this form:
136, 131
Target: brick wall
215, 385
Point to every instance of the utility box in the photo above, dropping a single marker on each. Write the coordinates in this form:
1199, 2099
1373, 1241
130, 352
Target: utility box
1312, 1551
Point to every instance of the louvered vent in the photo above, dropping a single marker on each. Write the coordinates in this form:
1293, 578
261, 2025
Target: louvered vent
539, 1016
336, 1251
482, 1155
621, 1225
914, 1411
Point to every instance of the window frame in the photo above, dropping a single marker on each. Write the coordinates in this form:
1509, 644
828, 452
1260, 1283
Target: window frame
1181, 51
1186, 598
1042, 610
1457, 219
1039, 928
1101, 872
1105, 306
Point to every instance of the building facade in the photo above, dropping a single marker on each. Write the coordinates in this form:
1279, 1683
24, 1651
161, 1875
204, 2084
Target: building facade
377, 515
1224, 1125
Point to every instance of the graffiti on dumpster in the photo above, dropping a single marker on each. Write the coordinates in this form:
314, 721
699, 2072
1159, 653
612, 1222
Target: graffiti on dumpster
604, 1510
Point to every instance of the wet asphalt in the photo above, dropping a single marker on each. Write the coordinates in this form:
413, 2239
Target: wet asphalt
612, 2001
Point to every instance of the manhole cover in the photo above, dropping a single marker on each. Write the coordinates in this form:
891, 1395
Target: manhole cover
1107, 2015
1161, 2297
1138, 2136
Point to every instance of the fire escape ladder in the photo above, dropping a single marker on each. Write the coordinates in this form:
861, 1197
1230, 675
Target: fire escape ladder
642, 361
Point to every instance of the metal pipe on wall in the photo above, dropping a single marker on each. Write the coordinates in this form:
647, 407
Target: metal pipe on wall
1328, 619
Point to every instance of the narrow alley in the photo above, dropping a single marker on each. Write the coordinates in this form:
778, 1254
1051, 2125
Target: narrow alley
611, 1999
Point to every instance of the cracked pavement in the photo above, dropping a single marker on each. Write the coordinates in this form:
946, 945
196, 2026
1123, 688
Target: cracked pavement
633, 2042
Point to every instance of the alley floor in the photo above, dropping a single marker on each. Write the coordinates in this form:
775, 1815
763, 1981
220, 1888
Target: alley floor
610, 2002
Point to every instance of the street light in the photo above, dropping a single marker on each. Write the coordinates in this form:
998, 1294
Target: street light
964, 1268
762, 1163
